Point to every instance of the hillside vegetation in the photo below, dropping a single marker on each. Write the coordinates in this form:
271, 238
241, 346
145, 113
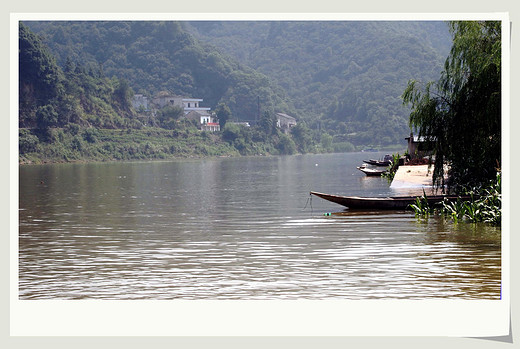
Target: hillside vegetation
346, 76
162, 56
342, 81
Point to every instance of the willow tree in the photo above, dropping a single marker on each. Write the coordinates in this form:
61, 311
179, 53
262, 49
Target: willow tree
460, 115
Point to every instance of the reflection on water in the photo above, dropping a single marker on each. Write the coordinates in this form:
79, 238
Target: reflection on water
237, 229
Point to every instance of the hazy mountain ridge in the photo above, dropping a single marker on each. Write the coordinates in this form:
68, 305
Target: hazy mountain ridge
351, 72
346, 77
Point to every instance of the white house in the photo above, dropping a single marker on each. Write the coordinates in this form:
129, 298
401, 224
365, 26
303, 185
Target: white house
187, 104
205, 121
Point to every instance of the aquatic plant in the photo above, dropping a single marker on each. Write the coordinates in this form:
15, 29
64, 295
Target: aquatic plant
421, 207
392, 168
484, 205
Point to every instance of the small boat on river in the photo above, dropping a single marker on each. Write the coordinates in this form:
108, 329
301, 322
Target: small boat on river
384, 203
386, 161
370, 171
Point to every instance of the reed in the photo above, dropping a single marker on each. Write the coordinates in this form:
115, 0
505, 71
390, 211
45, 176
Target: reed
484, 206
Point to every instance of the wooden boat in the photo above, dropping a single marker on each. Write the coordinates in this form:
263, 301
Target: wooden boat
384, 203
370, 171
386, 161
377, 162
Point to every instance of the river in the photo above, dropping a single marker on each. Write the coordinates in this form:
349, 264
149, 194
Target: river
237, 228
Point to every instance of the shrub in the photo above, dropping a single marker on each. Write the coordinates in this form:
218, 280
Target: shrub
286, 145
90, 135
27, 142
46, 116
73, 129
77, 143
343, 147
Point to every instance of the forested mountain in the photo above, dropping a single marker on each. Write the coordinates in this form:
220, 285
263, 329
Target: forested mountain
348, 74
162, 56
51, 96
343, 77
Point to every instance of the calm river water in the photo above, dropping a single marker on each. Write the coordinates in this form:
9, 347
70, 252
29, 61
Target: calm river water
237, 228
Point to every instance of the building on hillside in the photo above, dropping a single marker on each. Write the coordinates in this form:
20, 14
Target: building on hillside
192, 110
211, 127
139, 101
285, 122
162, 99
193, 104
187, 104
205, 121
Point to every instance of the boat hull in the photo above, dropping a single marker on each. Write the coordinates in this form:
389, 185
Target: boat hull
383, 203
371, 172
377, 162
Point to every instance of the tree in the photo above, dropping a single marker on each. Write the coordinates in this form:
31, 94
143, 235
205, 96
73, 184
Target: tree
223, 114
169, 115
302, 137
123, 94
286, 145
459, 114
267, 123
40, 78
46, 117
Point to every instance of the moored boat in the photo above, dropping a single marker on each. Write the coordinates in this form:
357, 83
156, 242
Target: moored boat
370, 171
384, 203
386, 161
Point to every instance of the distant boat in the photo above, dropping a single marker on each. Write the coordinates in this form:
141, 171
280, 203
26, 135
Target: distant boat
370, 171
384, 203
386, 161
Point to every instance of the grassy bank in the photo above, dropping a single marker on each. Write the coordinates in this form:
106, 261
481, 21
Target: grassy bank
62, 145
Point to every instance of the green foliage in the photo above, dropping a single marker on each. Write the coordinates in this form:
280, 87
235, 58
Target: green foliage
231, 132
421, 207
343, 147
50, 97
118, 144
302, 137
27, 142
392, 168
467, 93
104, 62
347, 72
90, 135
326, 141
40, 81
485, 205
152, 56
286, 145
169, 115
268, 124
223, 114
122, 94
77, 143
46, 117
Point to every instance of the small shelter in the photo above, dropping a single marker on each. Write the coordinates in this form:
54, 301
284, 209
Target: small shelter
418, 147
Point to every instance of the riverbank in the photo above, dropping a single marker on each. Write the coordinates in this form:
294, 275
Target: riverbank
70, 145
415, 176
104, 145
